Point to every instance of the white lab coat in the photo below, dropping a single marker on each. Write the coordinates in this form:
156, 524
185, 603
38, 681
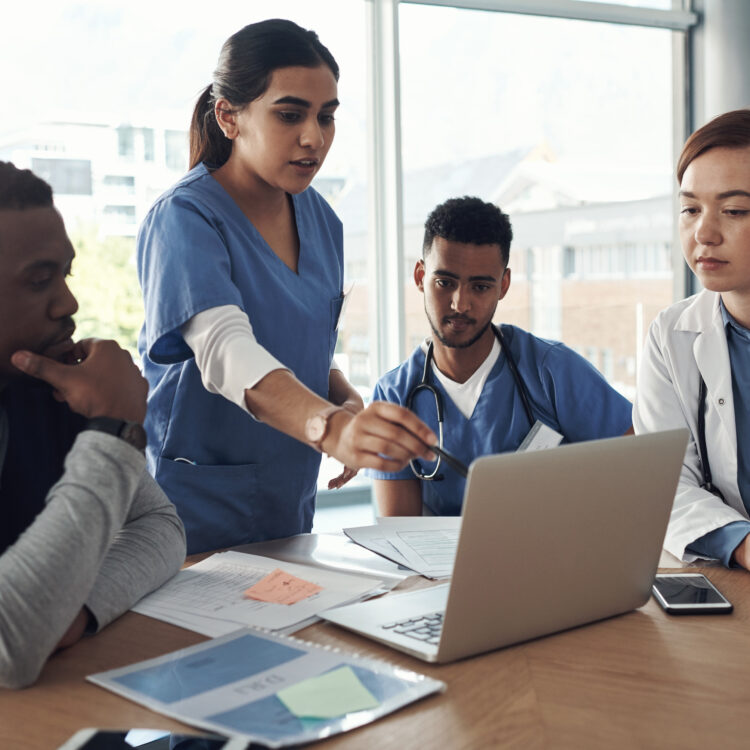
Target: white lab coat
685, 341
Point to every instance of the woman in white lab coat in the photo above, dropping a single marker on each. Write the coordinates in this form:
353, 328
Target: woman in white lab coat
706, 338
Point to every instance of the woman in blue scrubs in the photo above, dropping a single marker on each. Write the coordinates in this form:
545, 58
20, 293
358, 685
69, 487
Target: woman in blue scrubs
242, 272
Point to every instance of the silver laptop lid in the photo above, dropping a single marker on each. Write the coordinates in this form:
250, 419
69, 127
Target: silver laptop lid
553, 539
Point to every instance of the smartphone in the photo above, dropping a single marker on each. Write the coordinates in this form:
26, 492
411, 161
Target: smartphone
148, 739
689, 594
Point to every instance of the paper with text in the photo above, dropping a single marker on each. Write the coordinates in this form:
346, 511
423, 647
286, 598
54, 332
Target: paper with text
426, 544
233, 685
208, 597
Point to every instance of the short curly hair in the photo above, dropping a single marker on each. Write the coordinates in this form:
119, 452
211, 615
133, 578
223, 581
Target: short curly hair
470, 220
21, 188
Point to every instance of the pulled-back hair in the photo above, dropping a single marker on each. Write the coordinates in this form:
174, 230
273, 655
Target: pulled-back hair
21, 188
730, 130
469, 220
246, 63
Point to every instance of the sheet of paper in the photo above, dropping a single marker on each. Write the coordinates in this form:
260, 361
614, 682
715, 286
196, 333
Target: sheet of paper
373, 538
208, 597
426, 544
231, 685
326, 696
422, 523
282, 588
431, 552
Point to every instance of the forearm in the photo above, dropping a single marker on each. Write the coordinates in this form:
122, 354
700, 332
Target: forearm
147, 551
398, 497
47, 574
342, 392
725, 544
283, 402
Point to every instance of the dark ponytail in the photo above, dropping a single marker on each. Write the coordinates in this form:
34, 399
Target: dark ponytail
246, 63
207, 142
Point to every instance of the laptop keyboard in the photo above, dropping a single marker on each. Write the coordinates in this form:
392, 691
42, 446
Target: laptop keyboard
424, 628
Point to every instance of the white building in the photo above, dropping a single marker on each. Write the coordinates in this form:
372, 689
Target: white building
104, 173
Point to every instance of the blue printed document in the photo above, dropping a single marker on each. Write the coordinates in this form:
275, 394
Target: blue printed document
268, 688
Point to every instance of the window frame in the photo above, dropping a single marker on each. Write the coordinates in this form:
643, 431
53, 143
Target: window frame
385, 193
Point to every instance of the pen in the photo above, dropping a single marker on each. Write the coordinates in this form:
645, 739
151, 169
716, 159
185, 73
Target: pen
452, 461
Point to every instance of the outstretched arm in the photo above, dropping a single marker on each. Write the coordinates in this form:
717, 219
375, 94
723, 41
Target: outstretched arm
383, 436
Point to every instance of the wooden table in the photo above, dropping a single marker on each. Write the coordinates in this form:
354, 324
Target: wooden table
642, 680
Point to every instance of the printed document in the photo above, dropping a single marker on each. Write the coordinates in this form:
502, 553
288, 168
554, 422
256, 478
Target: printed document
266, 688
208, 597
426, 544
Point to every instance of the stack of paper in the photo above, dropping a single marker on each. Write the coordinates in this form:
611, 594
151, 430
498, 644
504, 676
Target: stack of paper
425, 544
210, 596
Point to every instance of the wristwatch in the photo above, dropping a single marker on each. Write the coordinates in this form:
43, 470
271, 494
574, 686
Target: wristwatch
131, 432
316, 428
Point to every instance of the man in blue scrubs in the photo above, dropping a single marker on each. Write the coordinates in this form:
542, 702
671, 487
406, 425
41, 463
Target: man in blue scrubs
463, 274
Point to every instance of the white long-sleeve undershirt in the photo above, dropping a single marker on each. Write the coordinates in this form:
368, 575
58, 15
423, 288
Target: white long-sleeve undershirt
229, 357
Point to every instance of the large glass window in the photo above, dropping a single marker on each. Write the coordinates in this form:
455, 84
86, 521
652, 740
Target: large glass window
567, 126
107, 121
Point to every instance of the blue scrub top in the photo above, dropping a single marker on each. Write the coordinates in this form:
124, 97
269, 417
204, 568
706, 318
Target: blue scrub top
233, 480
566, 393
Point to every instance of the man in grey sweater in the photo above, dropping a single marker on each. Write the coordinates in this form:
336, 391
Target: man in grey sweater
84, 530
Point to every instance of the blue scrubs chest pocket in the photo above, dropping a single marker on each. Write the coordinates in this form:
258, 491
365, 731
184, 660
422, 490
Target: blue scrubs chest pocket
213, 487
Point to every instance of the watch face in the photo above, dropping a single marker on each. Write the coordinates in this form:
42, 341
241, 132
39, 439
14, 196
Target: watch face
316, 428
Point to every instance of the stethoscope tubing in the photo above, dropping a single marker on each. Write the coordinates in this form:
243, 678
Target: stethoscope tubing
705, 466
424, 384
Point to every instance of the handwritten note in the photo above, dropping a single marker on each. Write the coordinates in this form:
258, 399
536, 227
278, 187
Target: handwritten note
329, 695
279, 587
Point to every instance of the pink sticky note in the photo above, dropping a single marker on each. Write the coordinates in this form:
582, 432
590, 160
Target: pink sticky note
279, 587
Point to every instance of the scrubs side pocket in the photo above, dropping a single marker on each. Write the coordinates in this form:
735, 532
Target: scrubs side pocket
212, 501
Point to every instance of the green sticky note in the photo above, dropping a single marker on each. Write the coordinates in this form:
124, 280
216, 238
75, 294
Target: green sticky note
328, 695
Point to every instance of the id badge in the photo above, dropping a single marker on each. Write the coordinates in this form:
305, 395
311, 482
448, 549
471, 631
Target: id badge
540, 437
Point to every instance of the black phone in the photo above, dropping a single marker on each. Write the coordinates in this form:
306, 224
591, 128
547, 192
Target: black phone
147, 739
689, 594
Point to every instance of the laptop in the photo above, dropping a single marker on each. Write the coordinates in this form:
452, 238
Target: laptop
549, 540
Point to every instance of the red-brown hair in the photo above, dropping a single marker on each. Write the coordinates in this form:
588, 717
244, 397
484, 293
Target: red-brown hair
730, 130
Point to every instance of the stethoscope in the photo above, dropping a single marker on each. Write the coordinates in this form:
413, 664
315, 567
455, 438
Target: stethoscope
425, 385
705, 466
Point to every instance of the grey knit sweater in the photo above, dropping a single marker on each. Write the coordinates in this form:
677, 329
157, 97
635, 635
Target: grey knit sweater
107, 536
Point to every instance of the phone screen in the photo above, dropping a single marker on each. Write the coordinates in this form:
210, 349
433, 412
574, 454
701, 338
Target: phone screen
147, 739
688, 589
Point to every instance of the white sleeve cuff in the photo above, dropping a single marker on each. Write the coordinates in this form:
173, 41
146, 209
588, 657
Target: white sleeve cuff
227, 354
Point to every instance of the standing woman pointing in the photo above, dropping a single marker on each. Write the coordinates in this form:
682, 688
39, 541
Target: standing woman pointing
241, 267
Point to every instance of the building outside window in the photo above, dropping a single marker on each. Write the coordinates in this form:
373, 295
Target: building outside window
565, 124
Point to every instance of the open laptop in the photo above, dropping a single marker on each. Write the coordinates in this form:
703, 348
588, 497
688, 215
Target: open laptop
549, 540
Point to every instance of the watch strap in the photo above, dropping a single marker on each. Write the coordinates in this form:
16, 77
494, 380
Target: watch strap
130, 432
